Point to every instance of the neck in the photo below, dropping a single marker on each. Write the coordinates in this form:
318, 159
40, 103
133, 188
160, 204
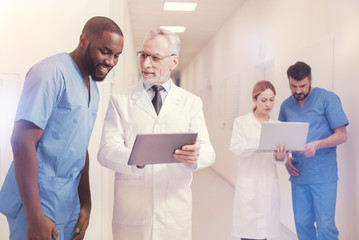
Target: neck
75, 55
261, 117
162, 81
301, 103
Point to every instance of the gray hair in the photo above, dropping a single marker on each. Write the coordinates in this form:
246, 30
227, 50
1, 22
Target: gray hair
173, 39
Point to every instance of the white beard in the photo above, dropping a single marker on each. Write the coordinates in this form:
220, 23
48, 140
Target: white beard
155, 80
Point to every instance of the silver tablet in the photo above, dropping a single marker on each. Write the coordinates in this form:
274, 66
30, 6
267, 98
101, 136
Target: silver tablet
158, 148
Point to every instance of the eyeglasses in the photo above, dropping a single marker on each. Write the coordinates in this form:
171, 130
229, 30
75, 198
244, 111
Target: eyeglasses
154, 58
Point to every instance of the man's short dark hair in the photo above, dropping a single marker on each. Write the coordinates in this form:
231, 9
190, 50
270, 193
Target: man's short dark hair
299, 71
95, 27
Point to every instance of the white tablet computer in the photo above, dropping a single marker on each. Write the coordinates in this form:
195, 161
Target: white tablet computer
293, 134
158, 148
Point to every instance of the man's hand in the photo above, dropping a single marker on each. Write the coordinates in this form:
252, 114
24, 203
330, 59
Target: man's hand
188, 154
293, 171
339, 136
82, 223
310, 149
42, 228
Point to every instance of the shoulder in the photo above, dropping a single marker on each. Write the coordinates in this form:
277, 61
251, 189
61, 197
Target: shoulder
60, 60
50, 70
244, 118
52, 67
136, 88
126, 93
184, 93
288, 101
325, 96
325, 93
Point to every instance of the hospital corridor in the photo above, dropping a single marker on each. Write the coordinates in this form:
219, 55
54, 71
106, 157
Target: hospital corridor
227, 48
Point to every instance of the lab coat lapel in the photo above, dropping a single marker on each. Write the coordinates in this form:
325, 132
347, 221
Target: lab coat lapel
172, 101
142, 100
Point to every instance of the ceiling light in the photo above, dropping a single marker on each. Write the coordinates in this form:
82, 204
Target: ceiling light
179, 6
177, 29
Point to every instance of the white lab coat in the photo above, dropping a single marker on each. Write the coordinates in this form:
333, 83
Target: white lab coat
256, 202
155, 202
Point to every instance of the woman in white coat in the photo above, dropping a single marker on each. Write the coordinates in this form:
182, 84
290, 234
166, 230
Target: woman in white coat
256, 203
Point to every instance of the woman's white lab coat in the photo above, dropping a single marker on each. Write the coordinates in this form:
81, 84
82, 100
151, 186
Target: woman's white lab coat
256, 202
153, 203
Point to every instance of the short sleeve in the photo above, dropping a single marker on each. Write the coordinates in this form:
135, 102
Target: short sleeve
334, 111
43, 88
281, 116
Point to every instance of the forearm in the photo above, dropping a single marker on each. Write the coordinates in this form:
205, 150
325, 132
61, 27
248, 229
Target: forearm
84, 186
115, 147
23, 140
243, 151
198, 124
26, 173
116, 158
338, 137
240, 147
206, 157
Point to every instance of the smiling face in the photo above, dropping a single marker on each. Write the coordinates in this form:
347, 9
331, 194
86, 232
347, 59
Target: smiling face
157, 71
265, 101
102, 54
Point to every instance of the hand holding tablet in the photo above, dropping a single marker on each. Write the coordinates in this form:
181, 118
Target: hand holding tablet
158, 148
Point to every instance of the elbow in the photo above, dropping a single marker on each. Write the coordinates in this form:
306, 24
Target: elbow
213, 159
341, 135
345, 137
16, 143
100, 157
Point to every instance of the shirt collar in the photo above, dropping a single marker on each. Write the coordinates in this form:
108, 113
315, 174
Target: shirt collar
166, 85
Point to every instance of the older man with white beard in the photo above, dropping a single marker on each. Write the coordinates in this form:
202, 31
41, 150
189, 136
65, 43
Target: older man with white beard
154, 201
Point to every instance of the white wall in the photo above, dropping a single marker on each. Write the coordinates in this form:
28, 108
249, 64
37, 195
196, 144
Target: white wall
261, 40
33, 30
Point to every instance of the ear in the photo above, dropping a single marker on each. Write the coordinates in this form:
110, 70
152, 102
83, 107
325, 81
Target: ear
174, 62
84, 41
255, 101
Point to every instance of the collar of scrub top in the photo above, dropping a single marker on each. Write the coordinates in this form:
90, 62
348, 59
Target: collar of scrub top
151, 93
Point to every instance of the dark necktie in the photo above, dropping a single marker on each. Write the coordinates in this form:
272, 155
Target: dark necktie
157, 100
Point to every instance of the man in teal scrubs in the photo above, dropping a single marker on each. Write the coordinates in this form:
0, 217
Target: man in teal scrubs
314, 172
46, 193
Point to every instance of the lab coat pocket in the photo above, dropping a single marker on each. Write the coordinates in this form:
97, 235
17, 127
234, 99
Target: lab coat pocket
59, 197
179, 202
132, 203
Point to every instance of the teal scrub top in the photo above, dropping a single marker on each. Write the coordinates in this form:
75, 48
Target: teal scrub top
324, 112
55, 98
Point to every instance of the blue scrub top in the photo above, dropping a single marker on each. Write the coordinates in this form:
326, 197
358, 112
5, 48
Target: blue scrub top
323, 111
55, 98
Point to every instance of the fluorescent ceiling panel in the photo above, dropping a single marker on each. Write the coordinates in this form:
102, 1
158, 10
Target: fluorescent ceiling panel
179, 6
177, 29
